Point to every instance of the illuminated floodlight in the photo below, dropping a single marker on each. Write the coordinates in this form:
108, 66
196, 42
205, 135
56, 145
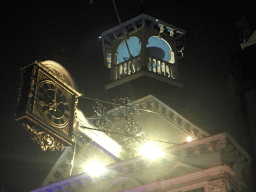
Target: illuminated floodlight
156, 19
151, 151
189, 139
95, 168
99, 37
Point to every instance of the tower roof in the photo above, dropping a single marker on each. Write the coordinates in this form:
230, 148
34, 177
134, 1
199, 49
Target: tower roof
139, 21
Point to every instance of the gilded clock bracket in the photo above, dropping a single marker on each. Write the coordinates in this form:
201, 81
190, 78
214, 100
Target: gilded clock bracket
43, 139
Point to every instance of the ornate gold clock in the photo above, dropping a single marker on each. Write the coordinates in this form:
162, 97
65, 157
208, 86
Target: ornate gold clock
53, 103
47, 104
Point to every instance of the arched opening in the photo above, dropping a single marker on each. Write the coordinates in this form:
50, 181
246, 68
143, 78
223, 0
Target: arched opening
134, 47
159, 48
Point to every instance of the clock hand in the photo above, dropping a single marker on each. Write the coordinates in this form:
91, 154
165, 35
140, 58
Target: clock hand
54, 113
51, 106
59, 110
65, 103
55, 96
54, 105
48, 95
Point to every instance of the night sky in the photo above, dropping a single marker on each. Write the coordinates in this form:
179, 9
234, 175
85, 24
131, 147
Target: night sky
67, 32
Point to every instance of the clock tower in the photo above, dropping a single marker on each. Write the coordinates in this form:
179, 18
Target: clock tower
143, 55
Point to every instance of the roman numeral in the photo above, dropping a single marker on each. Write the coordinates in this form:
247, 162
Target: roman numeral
40, 94
55, 88
66, 103
67, 112
42, 103
42, 87
50, 86
45, 112
64, 118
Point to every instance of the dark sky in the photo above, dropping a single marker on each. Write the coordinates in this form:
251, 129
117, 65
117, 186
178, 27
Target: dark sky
67, 32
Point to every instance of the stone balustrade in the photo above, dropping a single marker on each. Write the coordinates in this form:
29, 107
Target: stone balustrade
154, 65
161, 67
126, 68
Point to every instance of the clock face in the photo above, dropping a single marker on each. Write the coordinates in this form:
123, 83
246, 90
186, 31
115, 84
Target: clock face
53, 103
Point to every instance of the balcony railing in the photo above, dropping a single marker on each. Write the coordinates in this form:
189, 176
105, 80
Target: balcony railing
161, 67
126, 68
154, 65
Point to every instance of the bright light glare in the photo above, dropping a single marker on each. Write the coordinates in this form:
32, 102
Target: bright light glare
189, 139
99, 137
95, 168
151, 151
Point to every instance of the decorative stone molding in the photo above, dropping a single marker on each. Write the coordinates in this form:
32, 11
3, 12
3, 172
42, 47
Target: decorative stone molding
197, 150
221, 143
224, 177
152, 103
209, 146
217, 185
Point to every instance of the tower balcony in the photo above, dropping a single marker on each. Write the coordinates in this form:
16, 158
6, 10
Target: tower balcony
134, 65
143, 46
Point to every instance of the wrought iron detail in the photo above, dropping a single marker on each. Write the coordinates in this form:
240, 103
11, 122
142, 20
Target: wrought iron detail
131, 134
102, 119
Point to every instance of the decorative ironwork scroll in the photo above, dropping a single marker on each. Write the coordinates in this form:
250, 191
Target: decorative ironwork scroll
131, 134
102, 119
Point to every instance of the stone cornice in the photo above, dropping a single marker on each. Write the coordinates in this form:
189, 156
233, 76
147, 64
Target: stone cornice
142, 16
209, 173
221, 142
151, 103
